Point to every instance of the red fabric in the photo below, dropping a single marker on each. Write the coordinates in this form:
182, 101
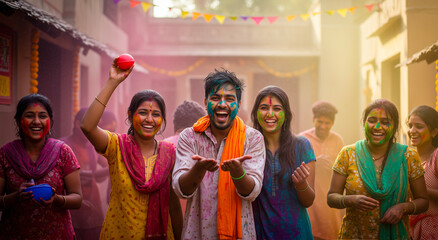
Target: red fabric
23, 164
158, 186
26, 220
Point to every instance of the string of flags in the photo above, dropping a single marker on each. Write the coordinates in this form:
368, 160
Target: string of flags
257, 19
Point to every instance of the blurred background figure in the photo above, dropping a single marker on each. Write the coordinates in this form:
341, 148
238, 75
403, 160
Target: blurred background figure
35, 159
326, 144
423, 135
88, 220
185, 115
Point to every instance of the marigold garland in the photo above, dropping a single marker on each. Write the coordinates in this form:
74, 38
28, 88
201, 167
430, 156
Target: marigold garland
172, 73
76, 66
436, 85
34, 67
285, 74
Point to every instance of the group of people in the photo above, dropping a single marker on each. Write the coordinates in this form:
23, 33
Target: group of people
239, 182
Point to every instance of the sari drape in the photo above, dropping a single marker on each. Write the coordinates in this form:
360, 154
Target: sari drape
158, 186
21, 162
394, 184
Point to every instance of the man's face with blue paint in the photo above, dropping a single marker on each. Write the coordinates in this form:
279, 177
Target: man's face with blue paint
222, 106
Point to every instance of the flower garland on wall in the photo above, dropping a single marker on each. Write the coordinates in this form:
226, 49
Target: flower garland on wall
172, 73
76, 81
34, 62
436, 85
285, 74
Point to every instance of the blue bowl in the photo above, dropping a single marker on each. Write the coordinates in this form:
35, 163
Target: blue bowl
43, 191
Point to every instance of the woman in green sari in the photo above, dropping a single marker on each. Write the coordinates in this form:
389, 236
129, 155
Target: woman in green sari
377, 174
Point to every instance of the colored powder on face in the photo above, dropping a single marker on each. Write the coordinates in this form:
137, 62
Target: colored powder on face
389, 133
368, 132
260, 119
210, 110
46, 128
280, 120
378, 125
234, 109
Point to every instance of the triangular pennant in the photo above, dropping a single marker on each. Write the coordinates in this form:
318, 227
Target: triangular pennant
291, 17
330, 12
233, 18
370, 7
352, 9
316, 13
272, 19
220, 18
116, 1
184, 14
342, 12
257, 20
134, 3
244, 18
207, 17
305, 16
195, 15
145, 6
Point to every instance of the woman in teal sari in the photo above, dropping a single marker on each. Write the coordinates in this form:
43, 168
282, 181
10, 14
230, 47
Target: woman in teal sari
377, 174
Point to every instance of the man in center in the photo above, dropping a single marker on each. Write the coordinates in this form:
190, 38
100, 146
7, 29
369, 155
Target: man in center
219, 166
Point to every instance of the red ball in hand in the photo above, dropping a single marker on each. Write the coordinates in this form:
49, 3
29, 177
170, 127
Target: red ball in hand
125, 61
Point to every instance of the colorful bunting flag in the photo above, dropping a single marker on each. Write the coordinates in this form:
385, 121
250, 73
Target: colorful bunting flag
257, 20
272, 19
352, 9
291, 17
342, 12
195, 15
370, 7
134, 3
184, 14
146, 6
207, 17
305, 16
220, 18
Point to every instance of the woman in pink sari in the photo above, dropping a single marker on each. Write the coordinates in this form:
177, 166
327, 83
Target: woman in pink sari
37, 159
142, 203
423, 135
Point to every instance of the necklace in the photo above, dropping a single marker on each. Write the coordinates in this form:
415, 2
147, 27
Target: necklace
377, 158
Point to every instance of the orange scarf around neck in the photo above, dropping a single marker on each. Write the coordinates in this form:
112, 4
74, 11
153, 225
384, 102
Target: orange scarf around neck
229, 222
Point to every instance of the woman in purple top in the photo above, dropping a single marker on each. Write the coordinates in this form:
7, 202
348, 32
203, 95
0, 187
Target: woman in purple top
280, 209
36, 159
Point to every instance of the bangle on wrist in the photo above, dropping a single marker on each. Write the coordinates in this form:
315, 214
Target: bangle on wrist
415, 207
97, 99
244, 172
341, 201
302, 190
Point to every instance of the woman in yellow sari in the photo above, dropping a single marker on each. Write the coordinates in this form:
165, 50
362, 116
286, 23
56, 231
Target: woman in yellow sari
377, 174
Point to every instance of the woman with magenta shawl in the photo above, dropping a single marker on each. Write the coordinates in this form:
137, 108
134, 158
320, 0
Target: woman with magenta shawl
37, 159
377, 173
142, 203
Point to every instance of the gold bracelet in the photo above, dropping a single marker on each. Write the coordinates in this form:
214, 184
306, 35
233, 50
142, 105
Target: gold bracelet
415, 207
65, 201
97, 99
302, 190
343, 201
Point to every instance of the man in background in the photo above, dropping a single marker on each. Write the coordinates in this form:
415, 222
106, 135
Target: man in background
326, 144
185, 115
